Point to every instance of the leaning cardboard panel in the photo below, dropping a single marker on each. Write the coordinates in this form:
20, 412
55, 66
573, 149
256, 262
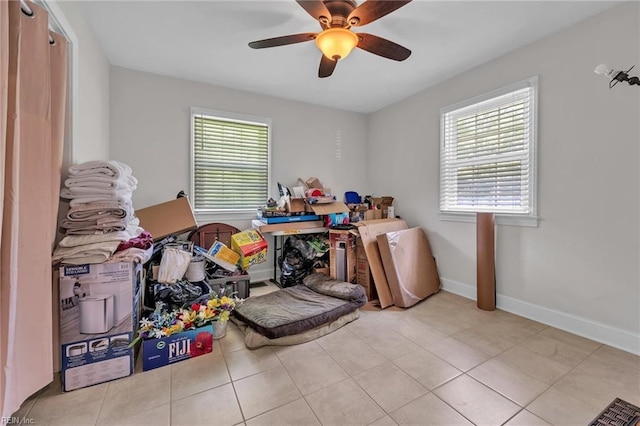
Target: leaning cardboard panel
369, 230
409, 266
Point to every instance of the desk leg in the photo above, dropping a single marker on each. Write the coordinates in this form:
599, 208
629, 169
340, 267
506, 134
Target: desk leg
276, 249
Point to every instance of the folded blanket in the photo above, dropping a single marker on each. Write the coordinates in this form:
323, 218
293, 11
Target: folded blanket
95, 210
102, 182
95, 230
100, 168
81, 191
102, 250
99, 198
102, 223
81, 240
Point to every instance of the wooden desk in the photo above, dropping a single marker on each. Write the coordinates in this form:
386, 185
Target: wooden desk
280, 230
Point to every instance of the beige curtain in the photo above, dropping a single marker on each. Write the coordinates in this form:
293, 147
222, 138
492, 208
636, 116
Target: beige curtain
31, 149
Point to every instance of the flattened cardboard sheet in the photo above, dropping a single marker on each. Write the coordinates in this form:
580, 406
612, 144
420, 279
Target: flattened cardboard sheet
369, 230
409, 266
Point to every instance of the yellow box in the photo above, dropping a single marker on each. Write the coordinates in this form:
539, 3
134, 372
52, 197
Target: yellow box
251, 246
223, 256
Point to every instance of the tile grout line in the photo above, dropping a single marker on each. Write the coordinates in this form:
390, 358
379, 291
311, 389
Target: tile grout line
104, 398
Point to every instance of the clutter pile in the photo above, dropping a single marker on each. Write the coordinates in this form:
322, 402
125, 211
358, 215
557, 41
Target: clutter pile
310, 210
191, 291
100, 225
100, 273
303, 255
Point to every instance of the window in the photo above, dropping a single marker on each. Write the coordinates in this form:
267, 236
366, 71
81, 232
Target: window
487, 155
230, 160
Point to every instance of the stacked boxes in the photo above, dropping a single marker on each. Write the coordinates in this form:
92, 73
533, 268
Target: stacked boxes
99, 312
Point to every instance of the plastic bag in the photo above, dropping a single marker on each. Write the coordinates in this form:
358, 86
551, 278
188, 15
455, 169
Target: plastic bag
296, 261
180, 294
173, 265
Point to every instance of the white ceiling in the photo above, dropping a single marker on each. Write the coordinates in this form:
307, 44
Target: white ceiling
206, 41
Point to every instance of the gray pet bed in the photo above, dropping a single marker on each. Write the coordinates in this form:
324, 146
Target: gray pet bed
318, 302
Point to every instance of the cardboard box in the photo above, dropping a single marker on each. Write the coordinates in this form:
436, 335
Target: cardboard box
382, 204
323, 209
177, 347
313, 182
294, 204
223, 256
342, 255
336, 219
251, 246
408, 265
99, 311
172, 217
373, 215
363, 271
369, 230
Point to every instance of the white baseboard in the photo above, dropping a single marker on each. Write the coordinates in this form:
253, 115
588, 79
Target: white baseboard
621, 339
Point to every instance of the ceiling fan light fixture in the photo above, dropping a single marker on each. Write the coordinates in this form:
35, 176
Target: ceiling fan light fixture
336, 43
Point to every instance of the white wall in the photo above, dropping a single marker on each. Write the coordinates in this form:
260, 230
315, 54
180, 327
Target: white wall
91, 136
150, 132
579, 268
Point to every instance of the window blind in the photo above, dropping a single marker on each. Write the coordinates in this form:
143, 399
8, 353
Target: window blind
230, 163
486, 154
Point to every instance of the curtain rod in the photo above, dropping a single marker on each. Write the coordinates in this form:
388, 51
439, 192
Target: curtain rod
29, 12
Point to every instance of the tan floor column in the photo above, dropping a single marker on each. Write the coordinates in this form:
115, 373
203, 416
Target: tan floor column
485, 261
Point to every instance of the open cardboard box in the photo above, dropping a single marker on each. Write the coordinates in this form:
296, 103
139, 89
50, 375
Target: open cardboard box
169, 218
324, 209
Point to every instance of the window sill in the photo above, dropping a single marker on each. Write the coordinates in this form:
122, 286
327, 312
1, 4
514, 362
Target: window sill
501, 219
208, 216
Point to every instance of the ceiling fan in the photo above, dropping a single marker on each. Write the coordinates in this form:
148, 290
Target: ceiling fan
337, 40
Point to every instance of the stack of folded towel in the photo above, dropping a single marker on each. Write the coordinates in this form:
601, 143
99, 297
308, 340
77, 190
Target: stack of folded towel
101, 215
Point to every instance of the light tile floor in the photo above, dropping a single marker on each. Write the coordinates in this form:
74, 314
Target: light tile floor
442, 361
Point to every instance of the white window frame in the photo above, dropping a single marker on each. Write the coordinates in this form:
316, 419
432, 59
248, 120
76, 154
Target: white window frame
527, 220
224, 115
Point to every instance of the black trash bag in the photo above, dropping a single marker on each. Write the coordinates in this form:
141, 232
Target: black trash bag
177, 295
296, 261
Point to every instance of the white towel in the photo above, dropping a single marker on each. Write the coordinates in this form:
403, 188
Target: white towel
102, 182
99, 168
100, 210
100, 198
81, 191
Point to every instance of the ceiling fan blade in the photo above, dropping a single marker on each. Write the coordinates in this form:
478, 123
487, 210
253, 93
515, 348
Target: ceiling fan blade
318, 10
326, 67
382, 47
283, 40
371, 10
